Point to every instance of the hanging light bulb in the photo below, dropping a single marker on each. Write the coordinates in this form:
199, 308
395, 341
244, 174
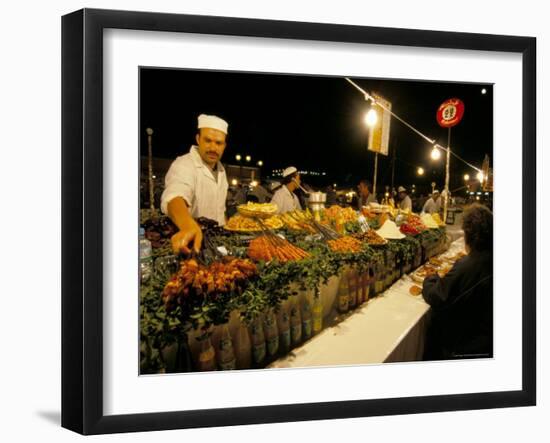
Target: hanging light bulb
435, 154
420, 171
371, 118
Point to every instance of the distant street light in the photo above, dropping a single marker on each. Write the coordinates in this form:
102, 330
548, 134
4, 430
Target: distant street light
248, 158
260, 163
420, 171
466, 177
435, 154
371, 118
238, 157
234, 182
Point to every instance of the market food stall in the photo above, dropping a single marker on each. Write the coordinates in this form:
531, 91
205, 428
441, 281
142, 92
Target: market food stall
303, 288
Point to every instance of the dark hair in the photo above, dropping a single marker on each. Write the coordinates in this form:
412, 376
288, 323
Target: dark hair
478, 227
366, 183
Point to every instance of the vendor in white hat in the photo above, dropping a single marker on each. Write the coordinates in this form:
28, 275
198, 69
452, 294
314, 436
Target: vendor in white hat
405, 202
433, 204
196, 184
284, 197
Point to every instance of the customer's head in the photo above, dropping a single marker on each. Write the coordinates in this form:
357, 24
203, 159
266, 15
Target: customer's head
291, 178
364, 188
478, 227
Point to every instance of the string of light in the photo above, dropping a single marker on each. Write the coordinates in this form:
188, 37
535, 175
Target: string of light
393, 114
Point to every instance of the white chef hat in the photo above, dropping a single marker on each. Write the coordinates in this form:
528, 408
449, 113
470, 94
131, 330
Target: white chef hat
289, 171
212, 121
436, 191
401, 189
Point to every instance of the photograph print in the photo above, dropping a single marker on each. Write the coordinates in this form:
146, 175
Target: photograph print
292, 221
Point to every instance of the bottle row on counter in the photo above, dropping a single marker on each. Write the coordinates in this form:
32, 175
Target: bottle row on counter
276, 332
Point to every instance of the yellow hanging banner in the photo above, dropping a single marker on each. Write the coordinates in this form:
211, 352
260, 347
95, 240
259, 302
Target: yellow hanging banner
379, 134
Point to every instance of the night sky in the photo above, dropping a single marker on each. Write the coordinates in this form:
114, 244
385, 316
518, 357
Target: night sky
316, 123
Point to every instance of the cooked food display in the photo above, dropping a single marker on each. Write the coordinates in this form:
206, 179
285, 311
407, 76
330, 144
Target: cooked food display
426, 270
371, 237
434, 266
297, 220
415, 290
261, 210
437, 219
389, 230
345, 244
375, 208
269, 248
408, 229
429, 221
416, 222
248, 224
336, 213
436, 261
195, 279
456, 257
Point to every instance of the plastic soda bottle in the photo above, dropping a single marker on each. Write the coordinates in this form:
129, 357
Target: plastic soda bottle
295, 322
352, 289
306, 319
243, 348
380, 277
145, 257
283, 321
271, 334
317, 314
343, 295
226, 355
207, 356
258, 342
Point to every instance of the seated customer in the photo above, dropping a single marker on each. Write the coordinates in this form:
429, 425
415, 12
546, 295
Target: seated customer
462, 301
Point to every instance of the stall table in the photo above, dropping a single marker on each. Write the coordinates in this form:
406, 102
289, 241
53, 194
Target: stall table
390, 327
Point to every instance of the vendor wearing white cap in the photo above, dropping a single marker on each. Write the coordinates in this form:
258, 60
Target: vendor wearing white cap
433, 204
284, 197
405, 202
196, 184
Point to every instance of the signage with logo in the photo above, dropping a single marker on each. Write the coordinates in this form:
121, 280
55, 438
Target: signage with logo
450, 112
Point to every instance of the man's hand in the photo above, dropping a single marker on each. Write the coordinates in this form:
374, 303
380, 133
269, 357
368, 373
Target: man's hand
189, 232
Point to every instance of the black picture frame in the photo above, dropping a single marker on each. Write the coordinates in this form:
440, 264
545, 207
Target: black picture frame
82, 218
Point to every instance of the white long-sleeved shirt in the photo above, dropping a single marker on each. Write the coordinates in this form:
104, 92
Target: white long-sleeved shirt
285, 200
406, 204
430, 206
203, 191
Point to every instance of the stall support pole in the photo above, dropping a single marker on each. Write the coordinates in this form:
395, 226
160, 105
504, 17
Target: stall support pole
446, 202
150, 170
375, 174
